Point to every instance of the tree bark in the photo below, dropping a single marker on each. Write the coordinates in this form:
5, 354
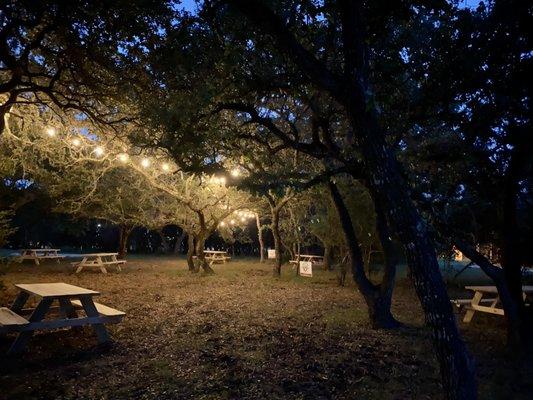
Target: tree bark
190, 252
327, 256
277, 239
124, 234
202, 262
378, 301
260, 239
179, 242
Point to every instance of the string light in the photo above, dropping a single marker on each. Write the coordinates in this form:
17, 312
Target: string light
222, 180
76, 142
99, 151
145, 162
165, 167
123, 157
235, 172
243, 219
222, 224
51, 132
232, 222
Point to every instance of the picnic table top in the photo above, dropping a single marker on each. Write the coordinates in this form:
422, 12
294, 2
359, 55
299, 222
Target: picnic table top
492, 289
215, 251
310, 256
57, 289
98, 254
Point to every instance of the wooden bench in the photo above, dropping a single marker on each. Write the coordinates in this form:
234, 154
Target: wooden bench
102, 309
11, 321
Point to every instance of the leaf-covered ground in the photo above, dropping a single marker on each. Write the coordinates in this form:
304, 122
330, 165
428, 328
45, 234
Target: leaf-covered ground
240, 334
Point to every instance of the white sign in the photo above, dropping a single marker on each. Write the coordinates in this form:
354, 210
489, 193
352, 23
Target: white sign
271, 253
306, 268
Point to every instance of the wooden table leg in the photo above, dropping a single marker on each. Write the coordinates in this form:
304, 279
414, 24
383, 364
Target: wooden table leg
67, 309
19, 302
475, 302
101, 264
23, 337
90, 310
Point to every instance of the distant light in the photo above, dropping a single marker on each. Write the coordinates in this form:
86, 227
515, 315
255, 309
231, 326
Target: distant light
99, 225
76, 142
232, 222
243, 219
222, 223
222, 180
99, 151
50, 131
123, 157
145, 162
235, 172
165, 167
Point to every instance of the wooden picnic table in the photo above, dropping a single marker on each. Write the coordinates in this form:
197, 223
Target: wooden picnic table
70, 298
493, 302
216, 256
98, 260
308, 257
40, 254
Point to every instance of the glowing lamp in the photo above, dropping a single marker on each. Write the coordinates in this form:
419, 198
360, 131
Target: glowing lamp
165, 167
145, 163
99, 151
123, 157
76, 142
51, 132
235, 172
232, 222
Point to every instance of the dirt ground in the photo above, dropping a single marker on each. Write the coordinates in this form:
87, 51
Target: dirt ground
240, 334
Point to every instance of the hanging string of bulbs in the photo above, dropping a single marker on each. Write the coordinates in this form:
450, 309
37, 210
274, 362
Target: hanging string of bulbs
123, 157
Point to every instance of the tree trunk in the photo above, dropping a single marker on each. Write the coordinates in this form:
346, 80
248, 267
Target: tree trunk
124, 234
277, 240
190, 253
260, 239
327, 257
378, 302
202, 262
179, 243
519, 328
165, 246
456, 364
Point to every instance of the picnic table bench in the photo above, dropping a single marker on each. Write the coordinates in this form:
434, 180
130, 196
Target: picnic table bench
98, 260
71, 299
216, 256
489, 305
38, 255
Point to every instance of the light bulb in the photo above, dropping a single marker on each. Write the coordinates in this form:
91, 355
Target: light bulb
165, 167
123, 157
235, 172
99, 151
51, 131
145, 162
76, 142
222, 223
232, 222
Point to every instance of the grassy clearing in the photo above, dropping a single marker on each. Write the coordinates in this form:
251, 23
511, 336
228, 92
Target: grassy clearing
240, 334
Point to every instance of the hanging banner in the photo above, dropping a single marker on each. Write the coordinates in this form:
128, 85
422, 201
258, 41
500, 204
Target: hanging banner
271, 253
306, 268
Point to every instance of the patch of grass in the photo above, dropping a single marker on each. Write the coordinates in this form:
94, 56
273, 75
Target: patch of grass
239, 334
